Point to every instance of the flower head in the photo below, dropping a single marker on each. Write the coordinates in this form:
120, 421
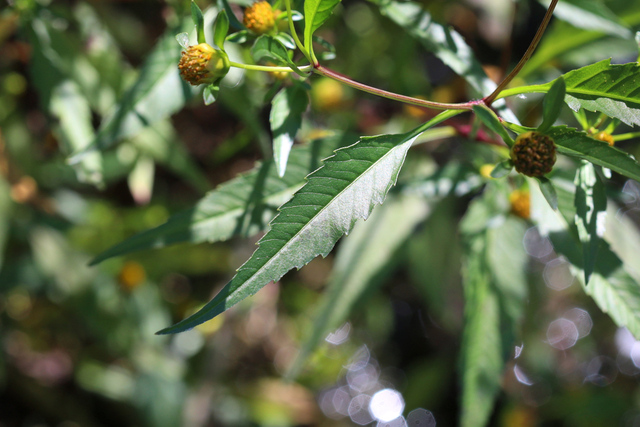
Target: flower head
533, 154
202, 64
520, 201
259, 18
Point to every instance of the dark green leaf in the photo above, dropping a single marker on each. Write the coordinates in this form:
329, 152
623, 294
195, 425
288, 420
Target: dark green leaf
578, 144
330, 50
591, 208
553, 103
221, 29
239, 37
198, 21
285, 119
606, 88
492, 122
316, 12
286, 40
267, 47
344, 189
240, 207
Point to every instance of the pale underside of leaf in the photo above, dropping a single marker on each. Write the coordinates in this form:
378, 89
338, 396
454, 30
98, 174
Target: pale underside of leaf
344, 190
240, 207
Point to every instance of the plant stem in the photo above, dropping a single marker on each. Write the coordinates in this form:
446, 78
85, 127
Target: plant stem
269, 68
294, 34
527, 55
626, 136
324, 71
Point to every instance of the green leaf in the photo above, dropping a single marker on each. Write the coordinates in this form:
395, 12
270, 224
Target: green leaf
492, 122
481, 351
572, 142
590, 15
221, 29
240, 207
210, 93
75, 130
591, 210
609, 89
316, 12
361, 264
233, 21
345, 189
157, 93
495, 290
446, 44
553, 102
198, 21
610, 286
330, 50
267, 47
502, 169
285, 118
549, 192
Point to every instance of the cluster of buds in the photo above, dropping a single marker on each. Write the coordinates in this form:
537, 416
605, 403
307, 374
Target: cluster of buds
202, 64
259, 18
533, 154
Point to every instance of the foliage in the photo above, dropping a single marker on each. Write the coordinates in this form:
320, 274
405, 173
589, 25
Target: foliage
422, 197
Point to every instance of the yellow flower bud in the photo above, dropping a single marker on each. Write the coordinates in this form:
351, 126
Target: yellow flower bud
202, 64
259, 18
605, 137
520, 203
533, 154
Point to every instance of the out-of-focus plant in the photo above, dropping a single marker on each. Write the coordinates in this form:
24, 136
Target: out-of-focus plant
560, 172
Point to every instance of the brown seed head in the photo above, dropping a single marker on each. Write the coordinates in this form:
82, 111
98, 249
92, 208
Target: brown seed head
202, 64
533, 154
259, 18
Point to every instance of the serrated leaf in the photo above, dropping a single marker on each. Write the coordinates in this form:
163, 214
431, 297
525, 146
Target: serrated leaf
360, 265
552, 105
316, 12
611, 287
571, 142
157, 93
240, 207
609, 89
591, 211
492, 122
285, 118
343, 190
198, 21
590, 15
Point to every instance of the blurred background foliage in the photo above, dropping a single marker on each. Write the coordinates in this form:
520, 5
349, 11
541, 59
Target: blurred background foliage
77, 342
